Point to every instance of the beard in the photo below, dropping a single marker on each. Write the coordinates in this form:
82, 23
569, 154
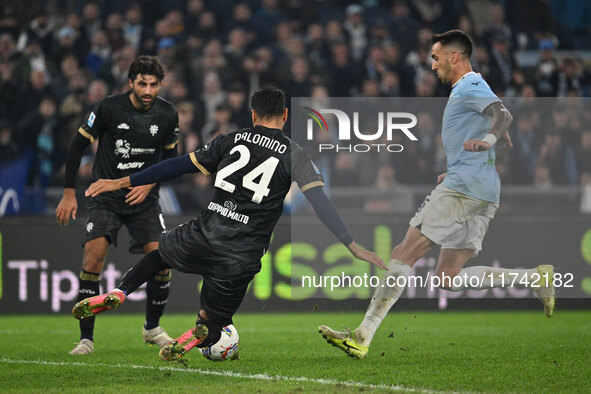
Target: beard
140, 99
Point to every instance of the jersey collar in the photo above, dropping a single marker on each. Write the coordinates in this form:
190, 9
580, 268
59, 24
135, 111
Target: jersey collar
463, 76
258, 126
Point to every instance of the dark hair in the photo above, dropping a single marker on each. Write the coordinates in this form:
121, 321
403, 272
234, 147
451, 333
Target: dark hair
146, 65
455, 37
268, 101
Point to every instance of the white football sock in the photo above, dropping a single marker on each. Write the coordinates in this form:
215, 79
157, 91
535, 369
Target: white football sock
481, 277
384, 297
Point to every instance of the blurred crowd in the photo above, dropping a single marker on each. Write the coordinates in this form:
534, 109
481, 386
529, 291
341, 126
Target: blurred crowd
59, 57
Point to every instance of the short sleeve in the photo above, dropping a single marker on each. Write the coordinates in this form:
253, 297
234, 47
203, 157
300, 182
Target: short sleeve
91, 127
172, 139
478, 95
304, 172
207, 158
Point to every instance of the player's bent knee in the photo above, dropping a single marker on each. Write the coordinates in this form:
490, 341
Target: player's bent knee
214, 332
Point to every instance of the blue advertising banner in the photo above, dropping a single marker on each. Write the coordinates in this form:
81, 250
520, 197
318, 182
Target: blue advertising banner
13, 176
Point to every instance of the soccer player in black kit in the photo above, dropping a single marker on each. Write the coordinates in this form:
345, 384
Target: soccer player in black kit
134, 130
254, 169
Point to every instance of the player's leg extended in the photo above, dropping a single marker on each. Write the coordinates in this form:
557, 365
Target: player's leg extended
157, 291
450, 263
404, 256
482, 277
147, 268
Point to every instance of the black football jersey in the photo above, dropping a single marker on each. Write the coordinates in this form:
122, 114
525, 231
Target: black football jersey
253, 170
129, 140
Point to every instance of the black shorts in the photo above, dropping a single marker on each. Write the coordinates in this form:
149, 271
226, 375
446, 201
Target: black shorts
225, 278
145, 224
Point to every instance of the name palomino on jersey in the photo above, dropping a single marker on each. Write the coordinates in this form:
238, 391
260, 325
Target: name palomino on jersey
261, 140
228, 213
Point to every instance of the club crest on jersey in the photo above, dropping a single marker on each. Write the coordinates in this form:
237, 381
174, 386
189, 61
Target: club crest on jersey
230, 205
91, 119
122, 147
153, 129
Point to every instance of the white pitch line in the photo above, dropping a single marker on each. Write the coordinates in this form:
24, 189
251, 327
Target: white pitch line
230, 374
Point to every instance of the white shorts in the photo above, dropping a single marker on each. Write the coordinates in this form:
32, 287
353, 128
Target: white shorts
454, 220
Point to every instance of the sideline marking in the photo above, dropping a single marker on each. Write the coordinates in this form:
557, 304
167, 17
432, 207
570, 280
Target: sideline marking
258, 376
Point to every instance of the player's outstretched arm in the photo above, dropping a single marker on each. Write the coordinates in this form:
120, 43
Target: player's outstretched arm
366, 255
501, 119
106, 185
166, 169
68, 205
331, 219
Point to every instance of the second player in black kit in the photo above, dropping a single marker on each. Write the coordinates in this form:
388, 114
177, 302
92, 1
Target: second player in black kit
253, 169
134, 130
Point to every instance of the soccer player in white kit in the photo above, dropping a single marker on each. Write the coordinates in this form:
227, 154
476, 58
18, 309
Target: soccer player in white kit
457, 212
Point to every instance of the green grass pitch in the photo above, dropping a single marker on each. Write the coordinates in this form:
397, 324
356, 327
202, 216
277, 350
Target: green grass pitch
412, 351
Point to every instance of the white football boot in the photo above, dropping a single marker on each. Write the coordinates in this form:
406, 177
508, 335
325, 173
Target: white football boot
156, 336
85, 346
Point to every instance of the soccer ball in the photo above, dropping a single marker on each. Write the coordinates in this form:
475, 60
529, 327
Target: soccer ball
224, 349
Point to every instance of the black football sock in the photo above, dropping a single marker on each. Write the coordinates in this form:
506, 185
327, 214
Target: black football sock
89, 287
147, 268
157, 291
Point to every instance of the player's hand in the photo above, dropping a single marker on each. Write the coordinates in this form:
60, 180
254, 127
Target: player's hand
106, 185
441, 177
138, 194
476, 146
504, 145
366, 255
67, 207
